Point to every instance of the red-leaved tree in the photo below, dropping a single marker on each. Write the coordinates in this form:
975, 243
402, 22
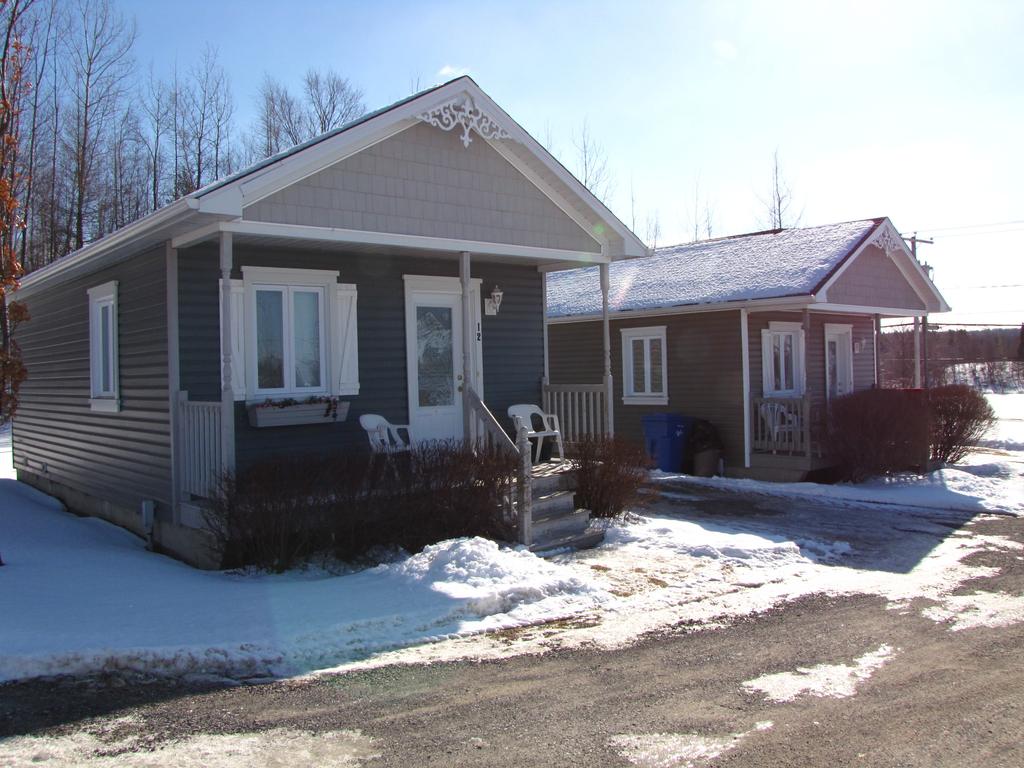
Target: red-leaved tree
12, 91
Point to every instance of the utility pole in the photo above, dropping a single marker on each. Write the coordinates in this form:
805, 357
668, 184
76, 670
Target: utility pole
914, 240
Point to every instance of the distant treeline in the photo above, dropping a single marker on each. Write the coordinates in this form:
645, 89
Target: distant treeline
990, 358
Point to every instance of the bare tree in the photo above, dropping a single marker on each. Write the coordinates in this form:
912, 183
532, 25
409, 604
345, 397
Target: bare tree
653, 230
205, 108
592, 164
157, 104
779, 211
99, 43
331, 101
13, 89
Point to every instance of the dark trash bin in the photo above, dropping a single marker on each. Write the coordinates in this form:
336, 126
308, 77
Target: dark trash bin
665, 439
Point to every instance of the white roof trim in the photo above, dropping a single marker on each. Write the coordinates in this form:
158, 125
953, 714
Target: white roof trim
228, 199
365, 237
795, 303
888, 239
495, 126
123, 236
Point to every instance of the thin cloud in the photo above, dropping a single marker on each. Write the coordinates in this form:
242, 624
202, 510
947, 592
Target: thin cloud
448, 72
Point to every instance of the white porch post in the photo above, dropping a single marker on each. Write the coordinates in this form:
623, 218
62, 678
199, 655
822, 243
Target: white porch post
917, 352
608, 388
467, 341
227, 395
745, 363
876, 339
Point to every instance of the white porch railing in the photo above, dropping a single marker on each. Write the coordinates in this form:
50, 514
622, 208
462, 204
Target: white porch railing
781, 425
486, 433
582, 409
199, 446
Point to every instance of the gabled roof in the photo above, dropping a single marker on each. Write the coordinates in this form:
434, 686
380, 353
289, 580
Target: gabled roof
459, 104
774, 264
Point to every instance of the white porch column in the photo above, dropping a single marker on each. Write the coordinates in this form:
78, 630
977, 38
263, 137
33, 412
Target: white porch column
467, 341
173, 378
745, 366
609, 391
876, 339
917, 352
227, 394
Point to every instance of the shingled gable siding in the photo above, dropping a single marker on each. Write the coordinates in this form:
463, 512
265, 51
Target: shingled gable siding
863, 361
704, 370
874, 280
424, 182
118, 459
512, 340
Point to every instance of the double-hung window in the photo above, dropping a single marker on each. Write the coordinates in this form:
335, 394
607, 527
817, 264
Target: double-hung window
644, 366
104, 390
782, 360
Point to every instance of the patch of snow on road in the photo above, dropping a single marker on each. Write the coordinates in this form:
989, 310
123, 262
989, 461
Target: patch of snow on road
677, 750
981, 609
275, 748
824, 680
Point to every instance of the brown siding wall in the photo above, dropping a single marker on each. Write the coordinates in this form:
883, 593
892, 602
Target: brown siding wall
863, 361
424, 182
704, 370
874, 280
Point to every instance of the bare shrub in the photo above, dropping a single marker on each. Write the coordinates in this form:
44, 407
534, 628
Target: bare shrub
280, 511
610, 473
877, 431
960, 416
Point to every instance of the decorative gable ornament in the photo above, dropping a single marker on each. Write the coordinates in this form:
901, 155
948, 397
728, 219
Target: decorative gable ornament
888, 239
463, 113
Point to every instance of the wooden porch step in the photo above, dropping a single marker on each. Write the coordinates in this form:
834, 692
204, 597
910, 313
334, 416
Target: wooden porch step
551, 477
585, 539
555, 504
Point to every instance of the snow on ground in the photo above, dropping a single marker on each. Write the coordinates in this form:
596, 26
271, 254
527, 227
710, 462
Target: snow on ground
835, 681
102, 744
980, 609
80, 596
990, 480
677, 750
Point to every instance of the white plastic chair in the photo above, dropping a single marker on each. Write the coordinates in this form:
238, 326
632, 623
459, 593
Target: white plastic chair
384, 436
779, 423
524, 413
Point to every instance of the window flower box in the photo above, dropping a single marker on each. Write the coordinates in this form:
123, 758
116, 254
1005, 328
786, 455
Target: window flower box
286, 413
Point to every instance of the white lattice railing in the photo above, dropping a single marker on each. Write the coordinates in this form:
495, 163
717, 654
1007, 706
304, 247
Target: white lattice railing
199, 446
582, 409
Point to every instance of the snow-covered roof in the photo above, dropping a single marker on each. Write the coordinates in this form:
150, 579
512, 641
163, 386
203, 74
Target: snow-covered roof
774, 264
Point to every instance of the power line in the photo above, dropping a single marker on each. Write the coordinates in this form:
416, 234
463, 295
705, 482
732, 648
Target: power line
970, 226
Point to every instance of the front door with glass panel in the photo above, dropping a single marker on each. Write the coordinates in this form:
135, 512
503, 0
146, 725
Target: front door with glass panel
434, 359
838, 360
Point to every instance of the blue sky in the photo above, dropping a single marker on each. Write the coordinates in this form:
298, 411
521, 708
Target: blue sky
912, 110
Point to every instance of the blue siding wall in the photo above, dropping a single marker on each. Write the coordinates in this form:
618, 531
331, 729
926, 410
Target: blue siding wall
512, 340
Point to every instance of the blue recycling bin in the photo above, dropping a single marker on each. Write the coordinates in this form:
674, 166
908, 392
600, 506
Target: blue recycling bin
665, 438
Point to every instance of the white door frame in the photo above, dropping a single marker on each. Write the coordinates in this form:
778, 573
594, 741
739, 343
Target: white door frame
417, 286
844, 350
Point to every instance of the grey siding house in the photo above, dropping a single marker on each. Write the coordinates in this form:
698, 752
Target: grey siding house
754, 333
394, 266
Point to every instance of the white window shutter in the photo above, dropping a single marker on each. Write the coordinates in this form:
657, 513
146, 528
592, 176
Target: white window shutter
345, 361
237, 337
767, 363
